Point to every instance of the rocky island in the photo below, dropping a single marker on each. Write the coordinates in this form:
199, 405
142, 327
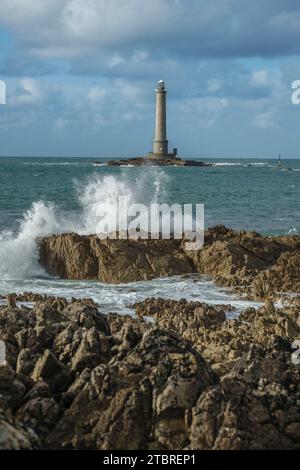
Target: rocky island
160, 155
165, 161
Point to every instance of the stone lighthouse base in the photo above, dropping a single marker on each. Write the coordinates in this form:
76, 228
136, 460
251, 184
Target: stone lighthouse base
160, 156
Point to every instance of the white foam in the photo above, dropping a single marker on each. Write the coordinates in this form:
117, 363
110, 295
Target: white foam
18, 251
118, 298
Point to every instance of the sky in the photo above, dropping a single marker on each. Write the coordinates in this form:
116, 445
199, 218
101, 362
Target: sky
80, 76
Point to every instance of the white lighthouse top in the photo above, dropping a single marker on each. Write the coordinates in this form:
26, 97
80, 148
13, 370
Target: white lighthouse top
161, 85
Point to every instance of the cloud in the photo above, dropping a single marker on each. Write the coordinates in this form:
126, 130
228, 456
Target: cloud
205, 111
96, 96
124, 29
61, 123
116, 60
264, 120
29, 93
260, 77
92, 65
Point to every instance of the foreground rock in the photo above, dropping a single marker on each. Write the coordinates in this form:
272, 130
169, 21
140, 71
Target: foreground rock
246, 261
76, 379
222, 342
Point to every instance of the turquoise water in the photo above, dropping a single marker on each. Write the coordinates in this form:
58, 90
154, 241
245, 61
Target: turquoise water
259, 197
39, 196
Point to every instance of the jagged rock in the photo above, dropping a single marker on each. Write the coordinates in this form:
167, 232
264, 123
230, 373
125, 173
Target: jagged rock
222, 342
13, 387
141, 394
46, 367
72, 256
190, 379
39, 414
263, 264
25, 362
11, 301
14, 437
92, 348
256, 406
283, 276
69, 256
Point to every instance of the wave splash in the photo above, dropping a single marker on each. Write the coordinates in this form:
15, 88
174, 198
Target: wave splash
18, 250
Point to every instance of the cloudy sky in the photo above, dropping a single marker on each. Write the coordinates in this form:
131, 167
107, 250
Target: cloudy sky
81, 74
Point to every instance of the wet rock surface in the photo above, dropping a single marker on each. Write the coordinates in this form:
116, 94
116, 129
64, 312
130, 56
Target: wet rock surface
191, 379
252, 265
73, 256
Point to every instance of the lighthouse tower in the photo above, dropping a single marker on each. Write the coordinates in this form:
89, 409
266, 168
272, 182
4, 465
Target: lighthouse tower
160, 143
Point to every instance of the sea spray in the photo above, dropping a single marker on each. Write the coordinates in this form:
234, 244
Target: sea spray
150, 187
99, 191
18, 250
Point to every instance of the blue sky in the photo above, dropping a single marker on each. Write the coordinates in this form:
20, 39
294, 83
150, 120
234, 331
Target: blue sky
81, 75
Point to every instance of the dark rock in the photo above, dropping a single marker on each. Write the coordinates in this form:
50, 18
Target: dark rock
190, 380
164, 161
46, 367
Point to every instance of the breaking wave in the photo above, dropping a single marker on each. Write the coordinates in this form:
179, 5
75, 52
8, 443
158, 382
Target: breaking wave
18, 250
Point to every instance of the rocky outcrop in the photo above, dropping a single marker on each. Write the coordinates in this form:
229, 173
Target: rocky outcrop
236, 258
77, 379
73, 256
222, 341
245, 261
165, 161
283, 276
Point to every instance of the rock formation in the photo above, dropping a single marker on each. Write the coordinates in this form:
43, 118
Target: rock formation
77, 379
263, 266
73, 256
143, 161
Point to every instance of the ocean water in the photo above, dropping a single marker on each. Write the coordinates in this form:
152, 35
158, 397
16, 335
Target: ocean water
39, 196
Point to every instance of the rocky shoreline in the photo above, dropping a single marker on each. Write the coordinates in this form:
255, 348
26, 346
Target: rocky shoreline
177, 374
189, 379
251, 265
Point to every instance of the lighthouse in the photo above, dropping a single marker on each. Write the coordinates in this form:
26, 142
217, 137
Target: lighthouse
160, 143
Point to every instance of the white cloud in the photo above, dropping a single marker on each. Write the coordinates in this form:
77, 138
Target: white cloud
61, 123
23, 13
30, 93
116, 60
206, 111
264, 120
96, 96
129, 91
140, 56
213, 85
260, 77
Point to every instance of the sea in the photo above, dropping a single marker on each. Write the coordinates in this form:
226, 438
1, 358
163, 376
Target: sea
42, 196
